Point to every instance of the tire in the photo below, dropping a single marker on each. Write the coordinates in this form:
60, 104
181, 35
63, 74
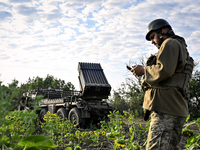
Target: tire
20, 107
42, 113
62, 112
75, 117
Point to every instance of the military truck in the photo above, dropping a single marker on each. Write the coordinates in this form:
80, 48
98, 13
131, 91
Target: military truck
81, 106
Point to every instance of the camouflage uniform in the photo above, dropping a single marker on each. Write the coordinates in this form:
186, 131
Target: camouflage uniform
164, 132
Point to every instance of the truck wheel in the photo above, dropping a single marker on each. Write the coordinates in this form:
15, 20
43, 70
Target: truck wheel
20, 107
75, 117
62, 112
42, 113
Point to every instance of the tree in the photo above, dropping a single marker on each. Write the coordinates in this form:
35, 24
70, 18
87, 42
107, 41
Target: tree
194, 100
119, 102
136, 96
129, 96
8, 98
49, 81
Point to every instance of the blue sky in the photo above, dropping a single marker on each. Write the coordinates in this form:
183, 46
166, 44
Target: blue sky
40, 37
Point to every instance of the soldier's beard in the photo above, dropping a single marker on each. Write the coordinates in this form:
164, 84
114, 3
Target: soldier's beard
160, 43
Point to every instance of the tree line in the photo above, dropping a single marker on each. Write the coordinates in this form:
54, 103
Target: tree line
129, 96
13, 91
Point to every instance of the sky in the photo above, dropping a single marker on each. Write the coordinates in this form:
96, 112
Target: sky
41, 37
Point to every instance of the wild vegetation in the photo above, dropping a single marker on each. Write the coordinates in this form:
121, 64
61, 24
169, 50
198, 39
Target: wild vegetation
23, 130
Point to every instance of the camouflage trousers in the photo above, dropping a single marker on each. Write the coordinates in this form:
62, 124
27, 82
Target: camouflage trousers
164, 132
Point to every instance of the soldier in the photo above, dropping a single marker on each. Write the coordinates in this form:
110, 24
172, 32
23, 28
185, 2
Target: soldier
165, 84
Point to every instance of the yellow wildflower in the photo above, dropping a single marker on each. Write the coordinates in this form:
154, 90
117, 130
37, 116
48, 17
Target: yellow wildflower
77, 132
119, 144
83, 134
54, 115
45, 118
91, 132
103, 132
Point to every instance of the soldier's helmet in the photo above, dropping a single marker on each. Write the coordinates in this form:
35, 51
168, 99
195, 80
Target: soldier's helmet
156, 25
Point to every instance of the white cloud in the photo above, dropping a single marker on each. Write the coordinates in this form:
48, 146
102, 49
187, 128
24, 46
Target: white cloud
91, 7
69, 22
117, 3
43, 37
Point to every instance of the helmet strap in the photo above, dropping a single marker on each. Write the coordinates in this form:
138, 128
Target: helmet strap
160, 35
169, 33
